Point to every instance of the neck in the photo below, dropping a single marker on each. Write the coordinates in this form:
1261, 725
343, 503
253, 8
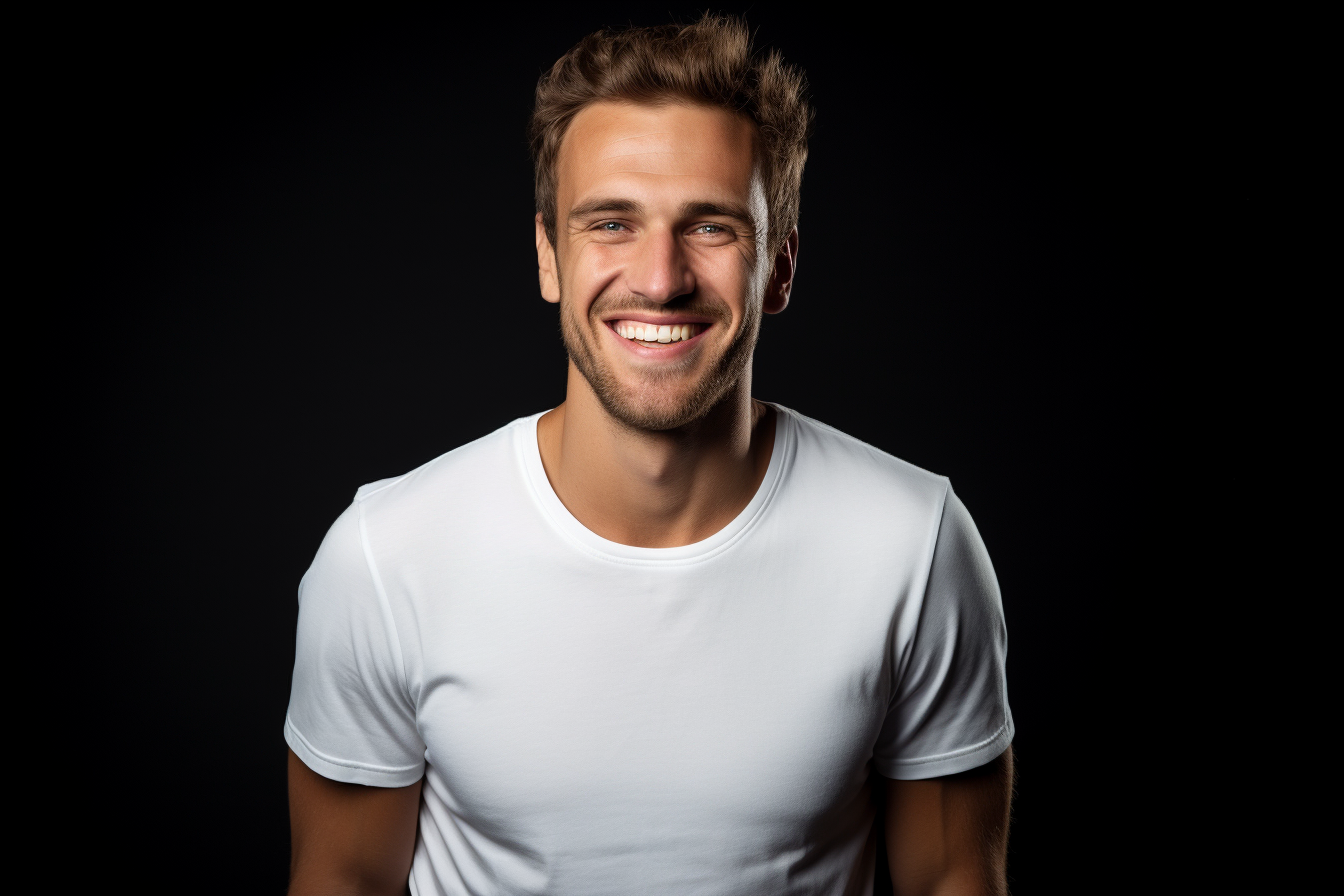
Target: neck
656, 489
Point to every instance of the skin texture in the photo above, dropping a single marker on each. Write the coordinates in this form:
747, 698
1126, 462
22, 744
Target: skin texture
661, 217
949, 836
660, 214
348, 839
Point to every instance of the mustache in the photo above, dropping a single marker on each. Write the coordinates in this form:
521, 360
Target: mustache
615, 305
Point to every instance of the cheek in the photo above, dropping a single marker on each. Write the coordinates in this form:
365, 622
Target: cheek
729, 274
590, 270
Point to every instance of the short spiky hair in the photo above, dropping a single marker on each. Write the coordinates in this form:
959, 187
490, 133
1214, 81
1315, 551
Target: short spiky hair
710, 62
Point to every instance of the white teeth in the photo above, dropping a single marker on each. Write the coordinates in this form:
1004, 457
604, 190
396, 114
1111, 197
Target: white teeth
652, 333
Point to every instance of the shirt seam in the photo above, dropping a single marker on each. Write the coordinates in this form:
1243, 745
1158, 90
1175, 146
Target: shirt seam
955, 754
359, 499
385, 606
766, 503
934, 534
349, 763
853, 439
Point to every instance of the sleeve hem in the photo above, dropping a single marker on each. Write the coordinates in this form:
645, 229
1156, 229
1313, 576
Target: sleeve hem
348, 771
961, 760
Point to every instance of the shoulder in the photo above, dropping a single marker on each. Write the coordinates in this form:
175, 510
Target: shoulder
848, 471
451, 504
461, 475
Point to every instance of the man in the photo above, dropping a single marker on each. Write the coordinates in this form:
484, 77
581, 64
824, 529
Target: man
663, 638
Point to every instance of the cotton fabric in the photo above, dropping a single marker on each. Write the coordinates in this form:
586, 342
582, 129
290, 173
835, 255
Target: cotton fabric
592, 718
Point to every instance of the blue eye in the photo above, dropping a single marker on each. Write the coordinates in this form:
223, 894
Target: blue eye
610, 226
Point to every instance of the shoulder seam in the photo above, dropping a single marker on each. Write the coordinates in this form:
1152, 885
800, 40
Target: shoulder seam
384, 605
359, 499
934, 534
855, 440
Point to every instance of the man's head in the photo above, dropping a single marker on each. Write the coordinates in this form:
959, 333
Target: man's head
668, 167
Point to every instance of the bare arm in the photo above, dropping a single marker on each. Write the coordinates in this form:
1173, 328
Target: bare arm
348, 839
949, 836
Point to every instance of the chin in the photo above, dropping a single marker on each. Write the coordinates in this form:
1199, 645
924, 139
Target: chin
656, 400
655, 408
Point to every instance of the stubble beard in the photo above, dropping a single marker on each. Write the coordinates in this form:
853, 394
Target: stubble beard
663, 399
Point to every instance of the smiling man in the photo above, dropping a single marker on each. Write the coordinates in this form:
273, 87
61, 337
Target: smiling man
665, 638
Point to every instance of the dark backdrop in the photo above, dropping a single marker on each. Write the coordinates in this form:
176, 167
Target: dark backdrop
307, 264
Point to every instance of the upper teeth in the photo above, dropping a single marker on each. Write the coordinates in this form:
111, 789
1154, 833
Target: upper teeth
633, 329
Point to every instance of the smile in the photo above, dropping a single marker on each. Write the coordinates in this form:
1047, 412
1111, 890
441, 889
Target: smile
640, 331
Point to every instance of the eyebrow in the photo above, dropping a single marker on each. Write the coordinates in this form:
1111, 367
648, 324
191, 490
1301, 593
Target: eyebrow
605, 206
738, 213
698, 209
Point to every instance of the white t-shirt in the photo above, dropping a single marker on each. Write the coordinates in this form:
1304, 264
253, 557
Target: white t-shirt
592, 718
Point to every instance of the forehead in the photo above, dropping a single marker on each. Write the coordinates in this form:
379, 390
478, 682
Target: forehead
675, 148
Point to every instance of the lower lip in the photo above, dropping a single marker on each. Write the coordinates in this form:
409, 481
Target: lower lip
657, 350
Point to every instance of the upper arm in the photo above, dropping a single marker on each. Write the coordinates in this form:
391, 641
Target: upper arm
349, 838
351, 715
356, 758
948, 710
949, 835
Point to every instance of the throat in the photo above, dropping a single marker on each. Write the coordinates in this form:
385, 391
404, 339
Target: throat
656, 490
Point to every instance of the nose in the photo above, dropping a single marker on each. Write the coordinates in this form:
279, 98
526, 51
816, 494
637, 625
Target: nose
660, 270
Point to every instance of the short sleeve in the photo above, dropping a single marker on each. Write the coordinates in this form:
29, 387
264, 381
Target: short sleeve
949, 708
350, 717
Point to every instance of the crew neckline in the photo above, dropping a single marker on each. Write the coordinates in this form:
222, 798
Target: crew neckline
529, 453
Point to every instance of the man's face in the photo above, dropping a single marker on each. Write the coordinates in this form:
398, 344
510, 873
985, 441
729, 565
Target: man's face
663, 267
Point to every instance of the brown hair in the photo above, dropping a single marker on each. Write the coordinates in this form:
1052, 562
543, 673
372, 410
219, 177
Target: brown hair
710, 62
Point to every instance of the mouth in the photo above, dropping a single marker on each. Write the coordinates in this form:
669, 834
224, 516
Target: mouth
650, 334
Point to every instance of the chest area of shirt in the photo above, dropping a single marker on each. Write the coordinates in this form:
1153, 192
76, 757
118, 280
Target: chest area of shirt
753, 698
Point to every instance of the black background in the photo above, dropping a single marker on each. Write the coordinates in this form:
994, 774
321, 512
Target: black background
308, 264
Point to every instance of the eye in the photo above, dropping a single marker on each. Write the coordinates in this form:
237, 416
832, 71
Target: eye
611, 227
711, 228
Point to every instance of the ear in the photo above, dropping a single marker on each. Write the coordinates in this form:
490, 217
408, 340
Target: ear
546, 269
781, 278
